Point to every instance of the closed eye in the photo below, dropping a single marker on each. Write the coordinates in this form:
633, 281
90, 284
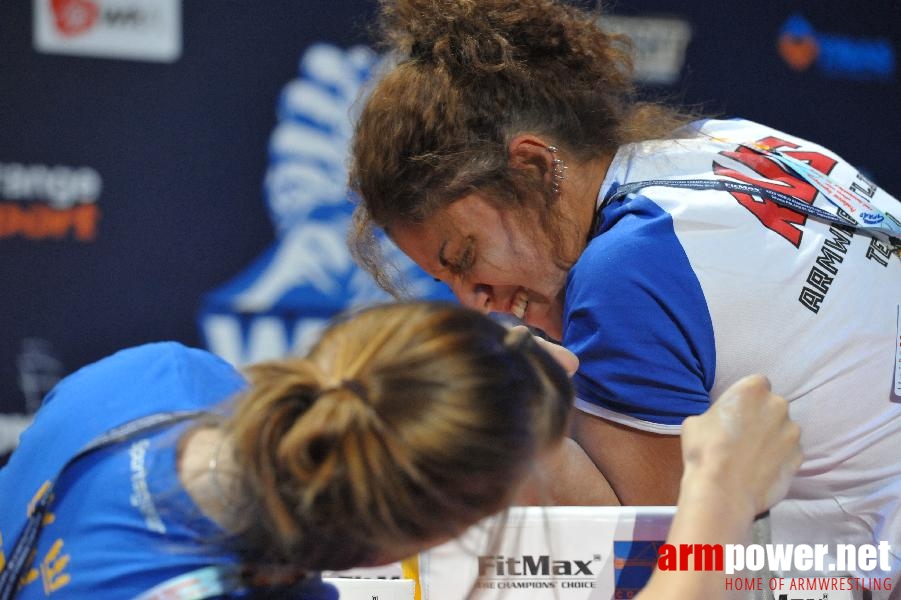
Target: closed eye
461, 264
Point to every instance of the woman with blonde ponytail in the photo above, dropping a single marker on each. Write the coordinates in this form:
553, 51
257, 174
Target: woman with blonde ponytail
397, 415
404, 425
160, 472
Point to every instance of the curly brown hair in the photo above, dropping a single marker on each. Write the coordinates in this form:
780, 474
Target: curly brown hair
469, 76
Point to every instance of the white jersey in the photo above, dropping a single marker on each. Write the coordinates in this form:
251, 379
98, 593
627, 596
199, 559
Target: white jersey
685, 290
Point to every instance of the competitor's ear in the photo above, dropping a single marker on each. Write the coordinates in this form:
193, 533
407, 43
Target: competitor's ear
530, 152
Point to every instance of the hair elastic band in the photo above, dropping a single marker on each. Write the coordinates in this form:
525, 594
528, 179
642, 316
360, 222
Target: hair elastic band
356, 388
351, 385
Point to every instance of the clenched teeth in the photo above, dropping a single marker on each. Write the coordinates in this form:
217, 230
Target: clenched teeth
520, 303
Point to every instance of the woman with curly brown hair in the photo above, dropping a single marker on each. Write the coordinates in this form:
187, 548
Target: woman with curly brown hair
506, 153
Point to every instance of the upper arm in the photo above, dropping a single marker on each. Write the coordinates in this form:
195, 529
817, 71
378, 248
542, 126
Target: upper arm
637, 318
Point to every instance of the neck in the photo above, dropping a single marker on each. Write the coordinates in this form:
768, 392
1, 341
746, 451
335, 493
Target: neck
580, 193
207, 470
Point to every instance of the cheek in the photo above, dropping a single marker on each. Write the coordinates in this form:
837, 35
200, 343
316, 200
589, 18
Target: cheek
512, 267
536, 265
534, 250
504, 268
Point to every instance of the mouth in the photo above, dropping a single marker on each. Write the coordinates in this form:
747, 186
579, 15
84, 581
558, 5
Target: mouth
520, 304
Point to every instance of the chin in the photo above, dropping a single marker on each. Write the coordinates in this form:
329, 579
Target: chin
549, 329
554, 334
546, 316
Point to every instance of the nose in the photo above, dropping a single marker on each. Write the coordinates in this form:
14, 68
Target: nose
477, 296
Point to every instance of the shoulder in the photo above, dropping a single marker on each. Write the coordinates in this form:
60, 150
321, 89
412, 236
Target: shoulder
637, 318
135, 382
636, 245
737, 128
152, 369
634, 273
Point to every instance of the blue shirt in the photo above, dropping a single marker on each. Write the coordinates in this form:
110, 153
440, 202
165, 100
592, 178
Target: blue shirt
120, 522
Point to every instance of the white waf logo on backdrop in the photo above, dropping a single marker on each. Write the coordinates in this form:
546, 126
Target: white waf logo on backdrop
281, 302
129, 29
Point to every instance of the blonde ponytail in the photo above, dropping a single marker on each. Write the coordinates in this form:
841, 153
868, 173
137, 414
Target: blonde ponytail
405, 424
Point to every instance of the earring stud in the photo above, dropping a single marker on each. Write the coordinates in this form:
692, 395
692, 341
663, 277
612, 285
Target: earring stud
558, 173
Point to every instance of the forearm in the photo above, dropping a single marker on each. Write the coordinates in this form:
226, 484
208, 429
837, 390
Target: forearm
707, 514
643, 468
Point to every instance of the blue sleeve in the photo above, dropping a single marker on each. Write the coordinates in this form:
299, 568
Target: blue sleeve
636, 317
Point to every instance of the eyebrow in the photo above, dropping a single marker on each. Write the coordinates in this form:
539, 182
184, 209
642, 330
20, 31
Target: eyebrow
441, 259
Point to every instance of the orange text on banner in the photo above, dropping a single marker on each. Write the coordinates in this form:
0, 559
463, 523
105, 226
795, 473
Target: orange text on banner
40, 222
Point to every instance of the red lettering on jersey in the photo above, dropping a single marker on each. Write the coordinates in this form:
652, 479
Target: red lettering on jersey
774, 176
